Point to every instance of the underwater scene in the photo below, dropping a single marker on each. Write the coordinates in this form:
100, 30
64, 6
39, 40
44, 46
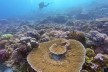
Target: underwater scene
53, 35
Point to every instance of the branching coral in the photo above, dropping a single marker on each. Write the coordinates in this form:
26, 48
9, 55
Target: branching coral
97, 38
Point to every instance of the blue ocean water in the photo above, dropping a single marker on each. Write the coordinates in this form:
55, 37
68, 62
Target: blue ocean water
25, 8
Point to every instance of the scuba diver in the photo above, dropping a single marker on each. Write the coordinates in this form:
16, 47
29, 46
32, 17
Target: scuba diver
42, 5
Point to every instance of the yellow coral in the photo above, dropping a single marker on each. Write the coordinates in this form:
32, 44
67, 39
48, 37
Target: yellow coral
6, 36
88, 60
90, 52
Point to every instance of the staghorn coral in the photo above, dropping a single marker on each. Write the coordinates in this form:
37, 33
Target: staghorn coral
41, 59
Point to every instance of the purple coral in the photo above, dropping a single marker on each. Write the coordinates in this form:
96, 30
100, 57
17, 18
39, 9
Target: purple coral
102, 49
4, 55
97, 38
99, 57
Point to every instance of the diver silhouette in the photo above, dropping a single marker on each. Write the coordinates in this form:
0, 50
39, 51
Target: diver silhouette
42, 5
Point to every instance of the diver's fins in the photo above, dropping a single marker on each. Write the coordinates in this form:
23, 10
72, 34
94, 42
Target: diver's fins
46, 5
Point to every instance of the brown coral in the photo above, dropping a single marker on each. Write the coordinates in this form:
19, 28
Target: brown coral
77, 35
40, 59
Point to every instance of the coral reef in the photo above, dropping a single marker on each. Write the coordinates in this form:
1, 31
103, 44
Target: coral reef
19, 38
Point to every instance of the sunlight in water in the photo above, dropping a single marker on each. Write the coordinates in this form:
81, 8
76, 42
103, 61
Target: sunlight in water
22, 7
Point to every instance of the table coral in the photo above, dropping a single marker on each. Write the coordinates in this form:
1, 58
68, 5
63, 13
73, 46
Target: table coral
40, 59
